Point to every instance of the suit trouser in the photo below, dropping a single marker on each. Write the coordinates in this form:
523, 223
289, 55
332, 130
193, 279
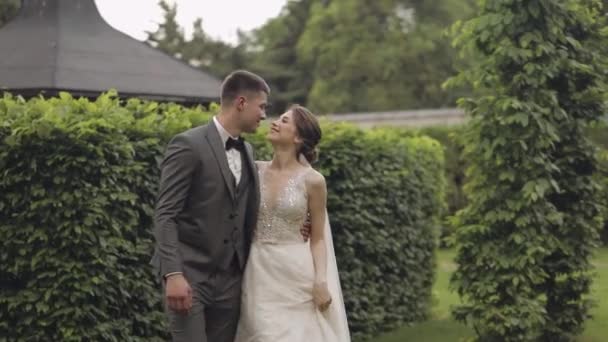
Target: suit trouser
215, 309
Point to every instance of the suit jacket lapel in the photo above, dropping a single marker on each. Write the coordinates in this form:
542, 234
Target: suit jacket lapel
256, 181
219, 151
251, 164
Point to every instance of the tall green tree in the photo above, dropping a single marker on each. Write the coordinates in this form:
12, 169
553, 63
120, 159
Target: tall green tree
8, 9
381, 55
269, 50
169, 36
200, 50
276, 56
340, 55
526, 237
215, 56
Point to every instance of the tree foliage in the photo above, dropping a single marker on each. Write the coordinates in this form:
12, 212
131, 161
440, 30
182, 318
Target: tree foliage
340, 55
276, 56
169, 36
382, 55
8, 9
211, 55
526, 238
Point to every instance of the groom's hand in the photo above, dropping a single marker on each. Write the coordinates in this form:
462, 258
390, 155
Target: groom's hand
306, 227
178, 293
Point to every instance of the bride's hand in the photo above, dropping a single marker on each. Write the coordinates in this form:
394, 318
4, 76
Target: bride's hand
321, 296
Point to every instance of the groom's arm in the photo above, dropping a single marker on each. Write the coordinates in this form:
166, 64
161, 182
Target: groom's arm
175, 181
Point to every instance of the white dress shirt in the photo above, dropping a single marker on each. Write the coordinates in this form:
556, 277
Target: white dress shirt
233, 155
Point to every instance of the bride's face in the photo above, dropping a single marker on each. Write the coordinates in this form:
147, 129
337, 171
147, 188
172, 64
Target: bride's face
283, 130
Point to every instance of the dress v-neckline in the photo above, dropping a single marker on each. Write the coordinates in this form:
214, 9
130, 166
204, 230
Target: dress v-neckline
280, 193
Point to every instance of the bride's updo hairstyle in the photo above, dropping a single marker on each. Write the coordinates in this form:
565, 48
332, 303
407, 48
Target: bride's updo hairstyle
309, 131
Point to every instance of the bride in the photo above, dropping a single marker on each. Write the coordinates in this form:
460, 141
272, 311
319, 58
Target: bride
291, 290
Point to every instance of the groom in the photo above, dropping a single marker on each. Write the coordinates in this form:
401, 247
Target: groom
206, 210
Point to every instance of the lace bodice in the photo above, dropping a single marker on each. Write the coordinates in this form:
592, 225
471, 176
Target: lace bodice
280, 219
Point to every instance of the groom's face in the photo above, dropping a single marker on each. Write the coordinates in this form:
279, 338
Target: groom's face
252, 110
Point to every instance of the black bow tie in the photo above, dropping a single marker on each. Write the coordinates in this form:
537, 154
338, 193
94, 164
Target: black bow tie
238, 144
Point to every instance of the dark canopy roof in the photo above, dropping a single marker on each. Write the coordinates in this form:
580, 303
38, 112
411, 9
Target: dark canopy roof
57, 45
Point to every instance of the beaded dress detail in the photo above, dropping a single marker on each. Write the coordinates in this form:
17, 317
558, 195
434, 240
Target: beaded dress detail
280, 218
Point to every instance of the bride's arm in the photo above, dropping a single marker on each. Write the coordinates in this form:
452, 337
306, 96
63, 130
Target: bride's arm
317, 199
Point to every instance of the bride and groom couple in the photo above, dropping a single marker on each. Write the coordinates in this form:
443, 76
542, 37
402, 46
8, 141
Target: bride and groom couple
244, 247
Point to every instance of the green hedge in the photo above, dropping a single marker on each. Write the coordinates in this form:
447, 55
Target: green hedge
76, 196
78, 184
603, 180
450, 138
455, 165
599, 135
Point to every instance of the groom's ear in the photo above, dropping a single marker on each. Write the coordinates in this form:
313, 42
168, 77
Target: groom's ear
240, 103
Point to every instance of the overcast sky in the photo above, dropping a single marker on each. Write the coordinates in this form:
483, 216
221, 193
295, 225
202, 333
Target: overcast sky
221, 18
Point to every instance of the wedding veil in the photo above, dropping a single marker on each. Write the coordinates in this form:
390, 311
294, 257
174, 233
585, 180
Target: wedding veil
336, 311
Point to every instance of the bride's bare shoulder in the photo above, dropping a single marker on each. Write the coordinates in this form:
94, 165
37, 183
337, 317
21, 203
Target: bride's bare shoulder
314, 178
261, 163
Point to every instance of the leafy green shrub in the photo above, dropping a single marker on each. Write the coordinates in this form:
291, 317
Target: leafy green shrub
603, 180
450, 138
599, 135
386, 194
526, 239
77, 192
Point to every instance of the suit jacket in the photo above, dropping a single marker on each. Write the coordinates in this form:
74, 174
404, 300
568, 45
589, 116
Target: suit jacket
202, 219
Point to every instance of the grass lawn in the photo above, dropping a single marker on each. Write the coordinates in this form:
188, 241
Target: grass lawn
442, 328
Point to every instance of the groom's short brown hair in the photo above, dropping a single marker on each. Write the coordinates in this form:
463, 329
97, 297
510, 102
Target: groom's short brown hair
240, 81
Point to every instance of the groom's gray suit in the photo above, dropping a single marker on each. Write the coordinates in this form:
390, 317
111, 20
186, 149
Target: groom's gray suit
203, 228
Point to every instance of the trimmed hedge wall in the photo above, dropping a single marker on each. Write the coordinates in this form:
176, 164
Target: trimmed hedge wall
76, 196
77, 191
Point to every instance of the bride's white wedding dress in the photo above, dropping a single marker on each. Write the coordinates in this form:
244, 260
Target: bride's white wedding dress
277, 302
